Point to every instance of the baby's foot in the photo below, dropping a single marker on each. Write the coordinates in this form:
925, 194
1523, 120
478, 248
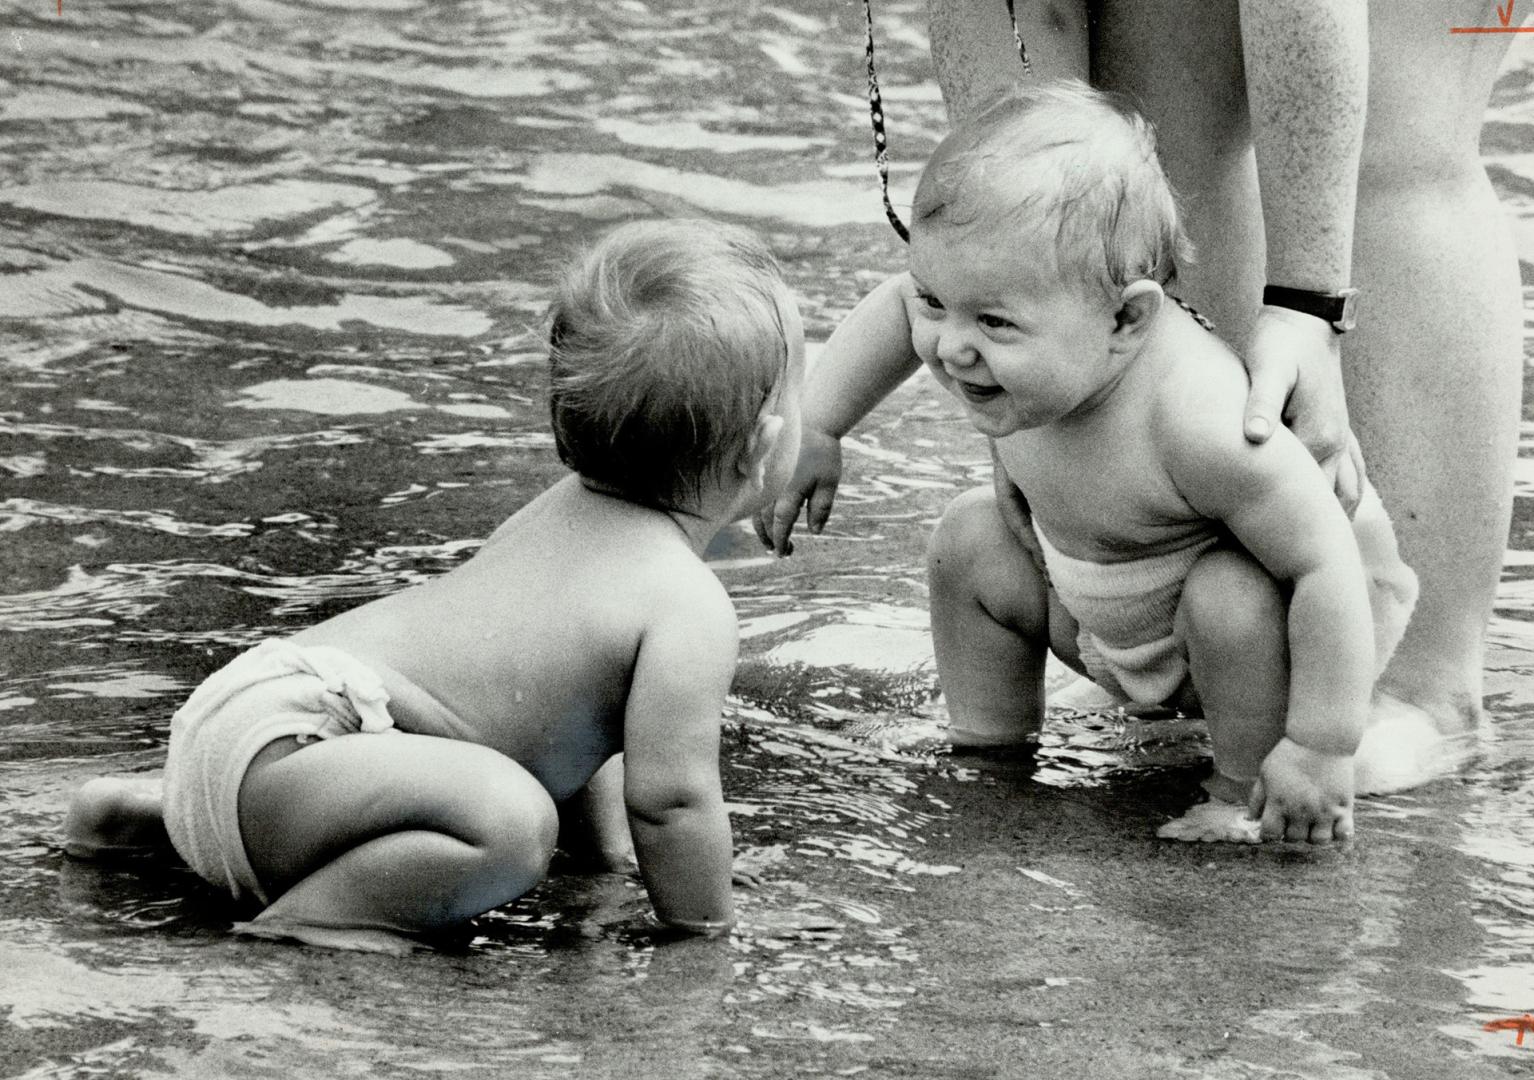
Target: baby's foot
1214, 822
1402, 748
351, 938
115, 817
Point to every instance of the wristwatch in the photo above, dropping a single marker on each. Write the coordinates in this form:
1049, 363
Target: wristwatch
1339, 308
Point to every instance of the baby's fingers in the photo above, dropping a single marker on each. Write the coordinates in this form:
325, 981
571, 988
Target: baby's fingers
1297, 828
784, 513
820, 505
1267, 811
1333, 828
762, 522
1342, 827
1256, 800
1273, 821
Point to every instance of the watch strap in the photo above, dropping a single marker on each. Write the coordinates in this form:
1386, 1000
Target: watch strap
1339, 309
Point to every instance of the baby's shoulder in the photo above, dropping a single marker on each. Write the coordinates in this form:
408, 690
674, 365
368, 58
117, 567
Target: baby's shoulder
674, 577
688, 629
1200, 391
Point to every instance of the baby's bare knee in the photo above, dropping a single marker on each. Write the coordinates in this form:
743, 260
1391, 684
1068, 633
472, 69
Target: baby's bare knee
974, 558
1230, 599
506, 814
970, 529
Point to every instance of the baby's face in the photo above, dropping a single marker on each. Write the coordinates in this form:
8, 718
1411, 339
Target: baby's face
1019, 347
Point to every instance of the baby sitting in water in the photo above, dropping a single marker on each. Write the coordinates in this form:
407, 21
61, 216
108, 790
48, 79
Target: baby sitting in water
395, 770
1133, 531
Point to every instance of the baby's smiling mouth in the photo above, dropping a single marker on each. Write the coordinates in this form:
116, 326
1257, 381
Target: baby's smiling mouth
977, 391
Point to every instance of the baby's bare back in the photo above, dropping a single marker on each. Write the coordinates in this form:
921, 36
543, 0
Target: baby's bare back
528, 647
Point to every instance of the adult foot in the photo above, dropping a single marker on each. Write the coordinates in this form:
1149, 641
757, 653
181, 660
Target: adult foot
1403, 747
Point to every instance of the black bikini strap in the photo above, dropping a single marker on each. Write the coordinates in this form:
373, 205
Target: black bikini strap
1017, 37
1198, 316
876, 109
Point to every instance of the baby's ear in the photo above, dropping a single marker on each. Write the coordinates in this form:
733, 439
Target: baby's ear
759, 447
1139, 304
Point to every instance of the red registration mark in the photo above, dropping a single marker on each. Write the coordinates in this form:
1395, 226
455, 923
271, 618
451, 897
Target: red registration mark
1504, 16
1520, 1024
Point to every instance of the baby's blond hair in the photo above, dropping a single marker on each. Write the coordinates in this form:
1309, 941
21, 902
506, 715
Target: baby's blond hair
665, 342
1071, 165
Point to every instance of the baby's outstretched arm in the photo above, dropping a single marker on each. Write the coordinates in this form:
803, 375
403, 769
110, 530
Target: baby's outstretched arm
867, 356
671, 782
1278, 505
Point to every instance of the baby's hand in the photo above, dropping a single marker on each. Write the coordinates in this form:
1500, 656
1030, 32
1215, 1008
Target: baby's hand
751, 865
816, 476
1304, 795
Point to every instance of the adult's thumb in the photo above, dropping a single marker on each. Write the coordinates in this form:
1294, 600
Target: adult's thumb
1264, 405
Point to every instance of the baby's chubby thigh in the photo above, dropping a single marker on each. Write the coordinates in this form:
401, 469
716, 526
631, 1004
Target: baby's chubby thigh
1233, 621
994, 619
394, 831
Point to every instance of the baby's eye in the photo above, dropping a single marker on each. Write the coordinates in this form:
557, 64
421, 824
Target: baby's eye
927, 300
996, 322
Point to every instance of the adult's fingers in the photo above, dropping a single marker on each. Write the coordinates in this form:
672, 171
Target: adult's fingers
1349, 484
1342, 469
1360, 471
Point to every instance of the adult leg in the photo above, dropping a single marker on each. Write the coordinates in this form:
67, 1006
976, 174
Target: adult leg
992, 625
1434, 372
1235, 623
365, 838
1184, 72
974, 54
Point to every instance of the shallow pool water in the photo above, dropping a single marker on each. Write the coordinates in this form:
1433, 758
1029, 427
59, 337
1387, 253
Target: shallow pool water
270, 285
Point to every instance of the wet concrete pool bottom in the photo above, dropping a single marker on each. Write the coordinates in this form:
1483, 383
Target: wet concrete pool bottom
1055, 937
974, 916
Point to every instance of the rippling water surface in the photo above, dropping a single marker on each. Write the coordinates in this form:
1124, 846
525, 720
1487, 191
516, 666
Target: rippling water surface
270, 284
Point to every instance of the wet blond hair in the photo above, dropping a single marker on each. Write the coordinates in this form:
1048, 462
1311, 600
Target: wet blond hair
665, 342
1068, 165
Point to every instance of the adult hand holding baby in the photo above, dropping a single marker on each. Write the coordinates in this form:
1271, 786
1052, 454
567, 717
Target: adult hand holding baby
1295, 364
